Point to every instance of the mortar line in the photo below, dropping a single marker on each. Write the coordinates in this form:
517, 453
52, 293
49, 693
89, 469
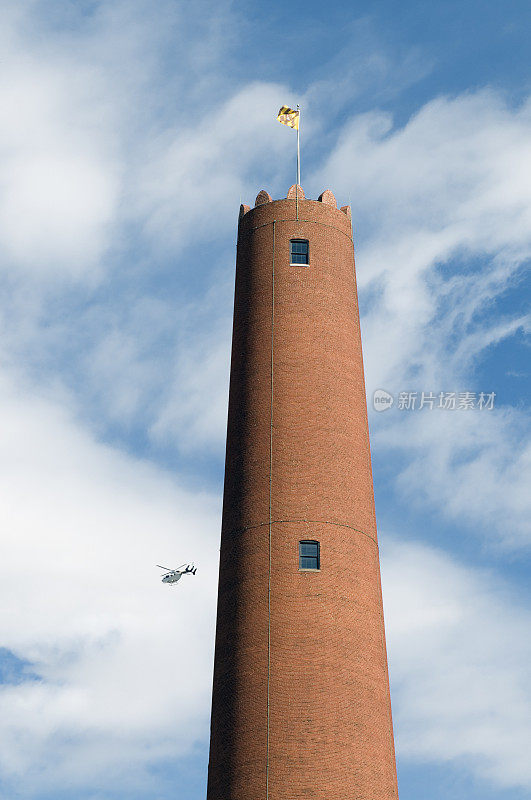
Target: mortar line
291, 219
310, 522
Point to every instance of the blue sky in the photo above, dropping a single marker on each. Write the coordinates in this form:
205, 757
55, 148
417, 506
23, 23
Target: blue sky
130, 133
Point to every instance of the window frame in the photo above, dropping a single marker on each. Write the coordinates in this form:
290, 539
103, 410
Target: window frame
299, 263
317, 556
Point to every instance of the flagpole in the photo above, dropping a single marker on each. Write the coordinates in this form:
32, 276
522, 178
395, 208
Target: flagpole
298, 149
298, 163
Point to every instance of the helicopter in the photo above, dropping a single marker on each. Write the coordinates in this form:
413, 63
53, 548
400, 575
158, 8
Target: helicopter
174, 575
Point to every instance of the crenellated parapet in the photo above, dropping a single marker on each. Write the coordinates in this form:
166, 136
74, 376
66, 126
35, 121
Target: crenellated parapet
262, 197
296, 193
328, 197
293, 194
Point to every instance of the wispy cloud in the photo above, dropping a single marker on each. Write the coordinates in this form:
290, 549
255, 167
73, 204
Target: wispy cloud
459, 658
123, 663
446, 193
442, 208
472, 468
60, 182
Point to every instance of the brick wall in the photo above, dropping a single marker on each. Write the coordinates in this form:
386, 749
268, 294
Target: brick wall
301, 703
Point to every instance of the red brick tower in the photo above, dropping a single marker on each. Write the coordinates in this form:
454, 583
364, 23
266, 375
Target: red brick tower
301, 706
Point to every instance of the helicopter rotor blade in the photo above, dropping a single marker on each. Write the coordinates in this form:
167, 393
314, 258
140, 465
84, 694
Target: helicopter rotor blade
166, 569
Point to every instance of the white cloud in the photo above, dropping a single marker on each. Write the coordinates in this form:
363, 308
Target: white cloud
448, 188
60, 175
87, 131
124, 662
196, 411
442, 208
192, 185
193, 409
111, 164
473, 467
459, 654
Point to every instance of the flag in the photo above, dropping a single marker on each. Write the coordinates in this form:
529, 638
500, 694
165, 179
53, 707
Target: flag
287, 116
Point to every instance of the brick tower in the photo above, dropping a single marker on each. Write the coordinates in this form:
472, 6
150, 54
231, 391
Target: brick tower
300, 707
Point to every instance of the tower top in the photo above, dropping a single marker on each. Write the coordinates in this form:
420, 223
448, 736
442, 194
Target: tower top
296, 193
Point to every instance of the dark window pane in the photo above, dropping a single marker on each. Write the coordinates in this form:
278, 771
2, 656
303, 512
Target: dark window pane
299, 258
298, 251
309, 555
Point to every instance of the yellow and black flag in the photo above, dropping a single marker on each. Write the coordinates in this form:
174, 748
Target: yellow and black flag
287, 116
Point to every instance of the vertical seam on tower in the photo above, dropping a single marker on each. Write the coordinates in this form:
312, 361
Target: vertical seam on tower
270, 510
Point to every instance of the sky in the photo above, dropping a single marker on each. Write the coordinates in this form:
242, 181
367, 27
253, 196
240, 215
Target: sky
130, 133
